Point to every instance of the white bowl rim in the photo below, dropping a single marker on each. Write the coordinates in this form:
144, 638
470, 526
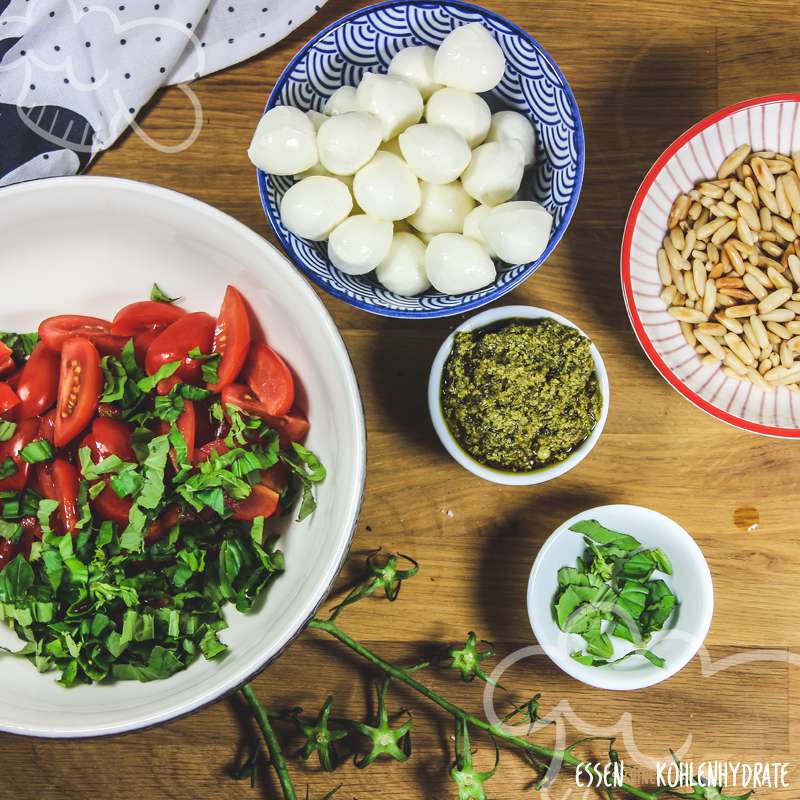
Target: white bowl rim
625, 270
544, 474
236, 680
599, 677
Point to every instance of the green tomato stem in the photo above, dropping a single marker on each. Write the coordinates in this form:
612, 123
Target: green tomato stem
271, 740
459, 713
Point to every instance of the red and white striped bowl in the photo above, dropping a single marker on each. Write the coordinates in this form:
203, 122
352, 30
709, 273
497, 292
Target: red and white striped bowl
766, 123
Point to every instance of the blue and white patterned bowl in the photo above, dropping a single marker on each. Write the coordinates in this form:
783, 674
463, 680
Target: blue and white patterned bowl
533, 85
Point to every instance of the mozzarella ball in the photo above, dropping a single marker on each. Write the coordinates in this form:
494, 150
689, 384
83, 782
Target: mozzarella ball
284, 142
443, 208
435, 153
386, 188
347, 141
415, 64
342, 101
469, 58
313, 207
518, 232
427, 238
359, 244
403, 269
466, 113
456, 264
494, 173
509, 126
316, 118
394, 101
472, 227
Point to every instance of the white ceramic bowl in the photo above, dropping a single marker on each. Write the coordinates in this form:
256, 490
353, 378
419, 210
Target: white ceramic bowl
91, 245
691, 583
765, 123
481, 320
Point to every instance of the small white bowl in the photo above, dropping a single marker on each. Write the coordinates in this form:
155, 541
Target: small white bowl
547, 473
691, 582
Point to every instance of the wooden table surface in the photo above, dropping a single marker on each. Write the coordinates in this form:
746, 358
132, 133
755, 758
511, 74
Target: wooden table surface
642, 72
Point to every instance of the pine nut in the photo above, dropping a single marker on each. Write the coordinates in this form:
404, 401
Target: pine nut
689, 314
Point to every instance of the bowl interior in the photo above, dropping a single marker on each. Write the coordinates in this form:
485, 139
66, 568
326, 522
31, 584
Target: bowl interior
533, 85
482, 320
691, 583
91, 245
768, 123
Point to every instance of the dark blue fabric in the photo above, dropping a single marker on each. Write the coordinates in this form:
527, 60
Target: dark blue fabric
7, 44
29, 132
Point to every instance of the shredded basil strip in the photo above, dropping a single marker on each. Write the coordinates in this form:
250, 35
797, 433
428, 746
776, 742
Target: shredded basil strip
157, 294
36, 451
7, 429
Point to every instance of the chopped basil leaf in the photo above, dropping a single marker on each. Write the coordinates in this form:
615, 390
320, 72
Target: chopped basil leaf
158, 295
611, 592
10, 530
210, 364
36, 451
149, 383
7, 429
7, 468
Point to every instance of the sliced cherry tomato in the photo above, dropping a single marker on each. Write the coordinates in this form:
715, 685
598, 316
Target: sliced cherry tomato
27, 430
163, 525
187, 425
13, 379
38, 383
142, 342
65, 478
205, 429
43, 481
7, 552
110, 506
78, 389
292, 426
268, 377
110, 437
32, 527
231, 338
144, 316
31, 532
109, 410
47, 427
55, 331
175, 342
215, 446
45, 484
276, 477
8, 398
261, 502
6, 359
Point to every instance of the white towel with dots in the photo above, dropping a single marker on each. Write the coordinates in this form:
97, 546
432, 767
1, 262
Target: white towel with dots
75, 73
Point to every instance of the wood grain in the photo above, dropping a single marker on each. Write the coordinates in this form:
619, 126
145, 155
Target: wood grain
642, 72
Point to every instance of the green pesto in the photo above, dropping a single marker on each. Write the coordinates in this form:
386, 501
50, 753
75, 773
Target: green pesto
521, 394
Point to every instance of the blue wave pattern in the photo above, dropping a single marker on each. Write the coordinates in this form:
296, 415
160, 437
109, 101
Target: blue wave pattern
532, 85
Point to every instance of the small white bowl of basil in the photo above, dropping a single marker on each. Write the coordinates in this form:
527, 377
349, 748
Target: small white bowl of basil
620, 597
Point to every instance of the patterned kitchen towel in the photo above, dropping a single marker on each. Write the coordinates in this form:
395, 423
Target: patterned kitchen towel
74, 73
